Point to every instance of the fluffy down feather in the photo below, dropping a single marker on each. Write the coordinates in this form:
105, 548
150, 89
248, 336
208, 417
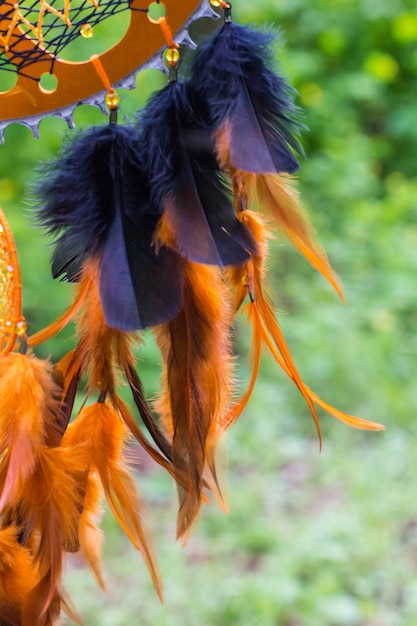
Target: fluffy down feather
251, 105
96, 199
185, 181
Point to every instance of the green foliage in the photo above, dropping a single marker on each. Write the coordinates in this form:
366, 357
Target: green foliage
326, 540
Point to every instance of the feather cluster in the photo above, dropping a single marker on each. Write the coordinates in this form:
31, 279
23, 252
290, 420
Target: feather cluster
162, 225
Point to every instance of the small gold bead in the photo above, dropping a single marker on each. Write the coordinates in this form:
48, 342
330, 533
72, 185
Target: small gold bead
112, 99
21, 328
172, 56
86, 31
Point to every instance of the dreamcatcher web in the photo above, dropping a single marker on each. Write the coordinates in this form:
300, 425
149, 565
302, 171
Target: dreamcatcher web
51, 25
34, 34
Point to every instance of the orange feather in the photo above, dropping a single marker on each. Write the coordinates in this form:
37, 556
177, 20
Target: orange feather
197, 379
266, 331
63, 320
275, 195
90, 536
102, 433
103, 353
28, 406
18, 576
47, 510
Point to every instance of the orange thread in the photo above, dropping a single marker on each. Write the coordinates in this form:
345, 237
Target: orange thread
95, 59
167, 32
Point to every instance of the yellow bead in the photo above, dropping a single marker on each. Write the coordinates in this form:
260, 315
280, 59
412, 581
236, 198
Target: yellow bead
86, 31
10, 270
21, 328
215, 3
112, 99
172, 56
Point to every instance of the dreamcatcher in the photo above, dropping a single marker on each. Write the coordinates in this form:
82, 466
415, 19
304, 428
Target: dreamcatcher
155, 223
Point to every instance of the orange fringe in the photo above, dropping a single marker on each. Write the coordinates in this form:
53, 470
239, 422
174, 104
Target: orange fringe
196, 382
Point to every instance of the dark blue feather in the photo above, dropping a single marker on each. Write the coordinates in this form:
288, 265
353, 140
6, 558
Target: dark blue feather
75, 197
234, 71
96, 198
185, 179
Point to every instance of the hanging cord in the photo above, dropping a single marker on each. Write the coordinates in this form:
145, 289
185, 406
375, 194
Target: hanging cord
171, 55
112, 98
167, 32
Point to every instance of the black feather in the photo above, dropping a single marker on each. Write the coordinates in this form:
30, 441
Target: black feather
234, 71
185, 179
136, 388
96, 198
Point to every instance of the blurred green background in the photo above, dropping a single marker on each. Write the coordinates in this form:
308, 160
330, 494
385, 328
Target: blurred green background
312, 539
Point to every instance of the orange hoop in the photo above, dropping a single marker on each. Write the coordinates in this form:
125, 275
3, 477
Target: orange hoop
77, 82
12, 323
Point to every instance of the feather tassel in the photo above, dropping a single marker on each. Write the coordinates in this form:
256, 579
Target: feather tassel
28, 402
197, 382
95, 197
185, 181
255, 119
47, 530
102, 433
251, 105
266, 331
18, 576
89, 534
